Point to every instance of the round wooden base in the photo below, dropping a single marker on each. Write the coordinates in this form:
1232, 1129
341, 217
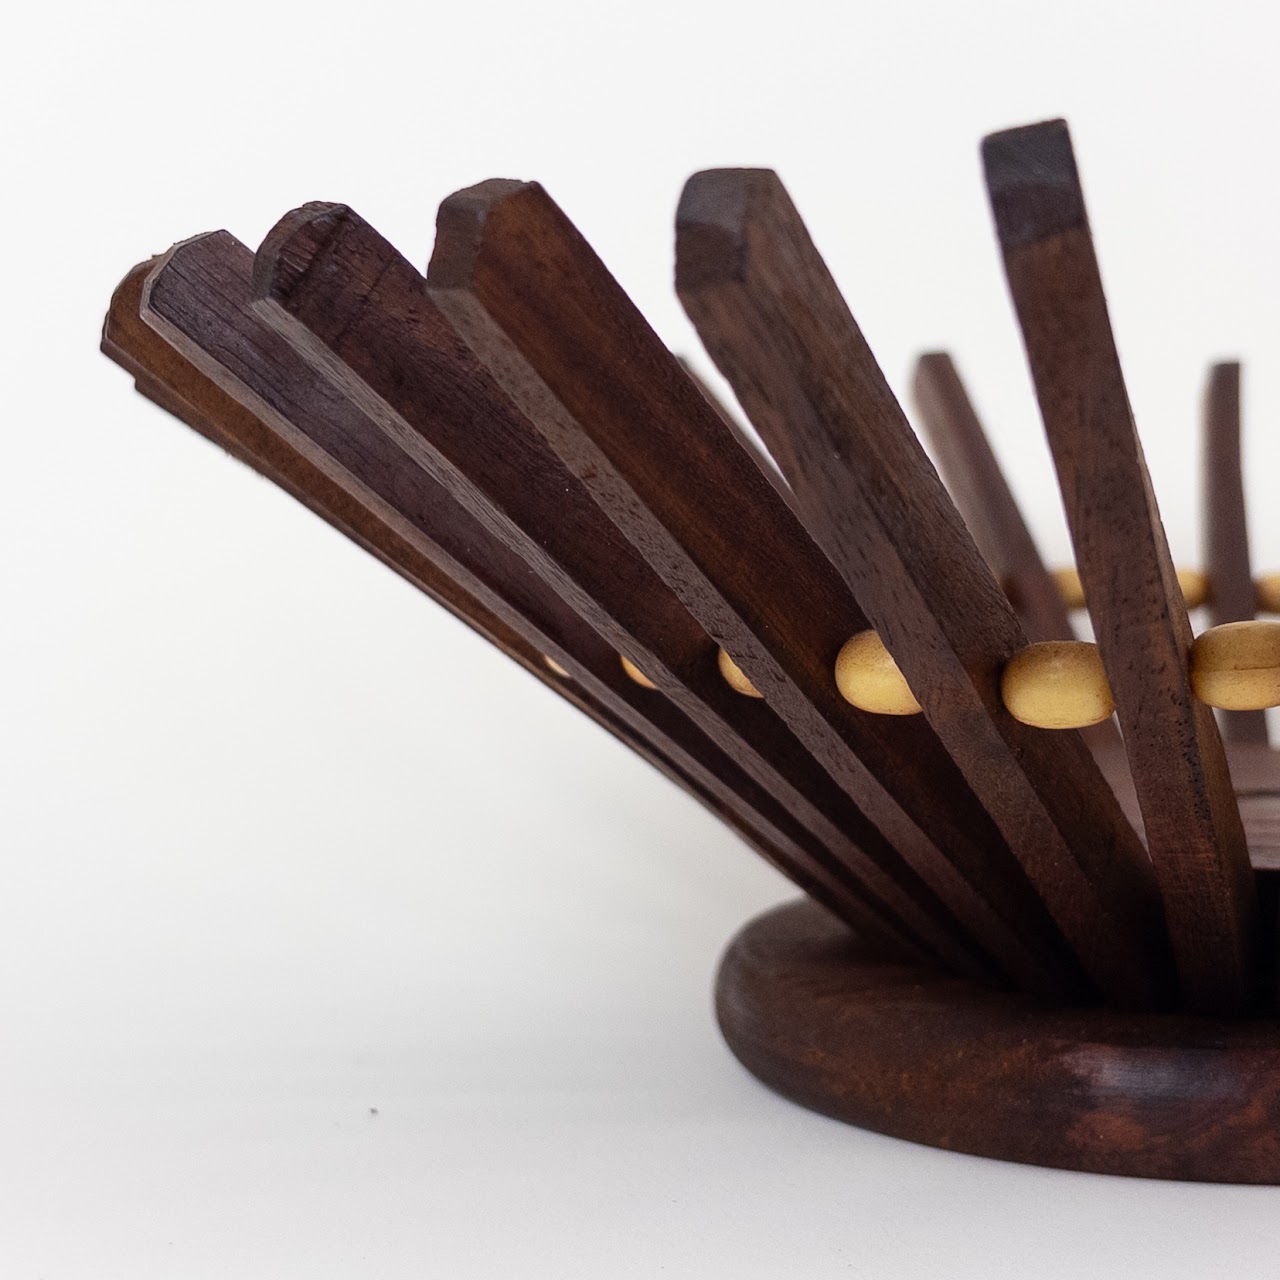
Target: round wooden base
830, 1023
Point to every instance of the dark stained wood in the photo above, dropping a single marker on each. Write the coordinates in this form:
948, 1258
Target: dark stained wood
1232, 597
1140, 621
986, 503
830, 1023
775, 323
330, 452
542, 312
165, 376
984, 499
359, 313
739, 432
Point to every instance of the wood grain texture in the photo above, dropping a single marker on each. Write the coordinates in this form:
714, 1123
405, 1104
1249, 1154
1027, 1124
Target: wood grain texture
533, 301
774, 322
1226, 532
744, 438
977, 485
983, 497
169, 378
829, 1023
359, 314
1140, 621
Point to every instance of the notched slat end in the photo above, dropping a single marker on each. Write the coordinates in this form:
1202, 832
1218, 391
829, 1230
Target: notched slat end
712, 220
460, 228
1033, 182
292, 244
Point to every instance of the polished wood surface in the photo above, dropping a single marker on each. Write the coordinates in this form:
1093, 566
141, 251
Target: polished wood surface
541, 311
1139, 619
811, 636
438, 552
828, 1022
975, 481
772, 318
360, 314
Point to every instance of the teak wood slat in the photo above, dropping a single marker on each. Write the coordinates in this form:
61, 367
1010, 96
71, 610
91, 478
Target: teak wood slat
359, 313
802, 626
443, 548
747, 441
1232, 595
534, 302
990, 511
983, 497
1140, 621
775, 323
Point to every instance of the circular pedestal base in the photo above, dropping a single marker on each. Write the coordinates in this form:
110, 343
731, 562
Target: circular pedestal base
821, 1018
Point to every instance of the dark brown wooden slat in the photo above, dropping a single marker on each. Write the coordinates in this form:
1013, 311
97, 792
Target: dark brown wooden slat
1232, 597
167, 377
775, 323
1139, 618
359, 313
535, 303
747, 441
983, 497
990, 511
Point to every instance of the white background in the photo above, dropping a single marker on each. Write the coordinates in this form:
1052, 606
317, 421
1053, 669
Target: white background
283, 844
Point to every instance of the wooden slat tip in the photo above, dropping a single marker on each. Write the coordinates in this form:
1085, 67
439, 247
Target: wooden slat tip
123, 298
929, 367
1033, 182
294, 241
711, 223
176, 253
461, 223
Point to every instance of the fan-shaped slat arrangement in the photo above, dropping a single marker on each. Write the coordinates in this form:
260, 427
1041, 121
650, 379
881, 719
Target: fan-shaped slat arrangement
762, 300
200, 297
510, 435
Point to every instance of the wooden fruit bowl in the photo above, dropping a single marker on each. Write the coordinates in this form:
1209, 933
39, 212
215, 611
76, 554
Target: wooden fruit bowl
1040, 933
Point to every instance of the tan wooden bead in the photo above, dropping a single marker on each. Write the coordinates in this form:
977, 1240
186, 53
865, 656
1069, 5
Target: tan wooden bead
868, 677
1268, 588
1237, 666
636, 674
553, 666
1195, 587
1070, 588
735, 678
1193, 584
1057, 684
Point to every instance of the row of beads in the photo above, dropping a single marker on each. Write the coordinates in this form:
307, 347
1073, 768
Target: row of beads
1055, 684
1195, 589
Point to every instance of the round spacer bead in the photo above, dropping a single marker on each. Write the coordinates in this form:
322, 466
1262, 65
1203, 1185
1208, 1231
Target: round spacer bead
868, 677
636, 674
1057, 684
1195, 587
1237, 666
1268, 589
1070, 588
553, 666
1193, 584
735, 678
